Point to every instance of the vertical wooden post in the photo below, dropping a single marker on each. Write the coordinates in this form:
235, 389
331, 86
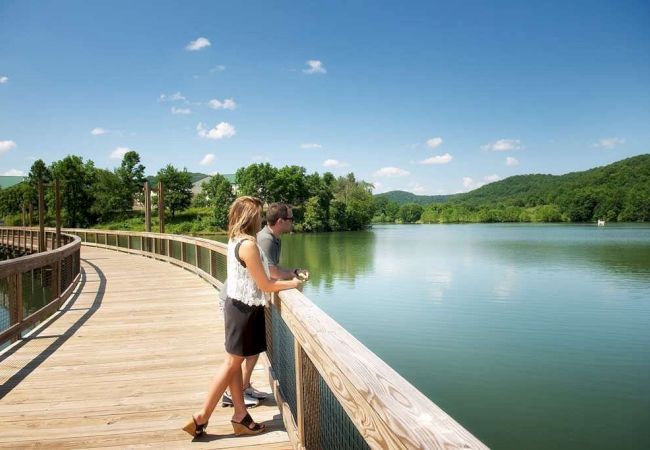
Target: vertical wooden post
183, 251
56, 279
147, 208
16, 297
57, 209
212, 263
41, 218
300, 416
161, 208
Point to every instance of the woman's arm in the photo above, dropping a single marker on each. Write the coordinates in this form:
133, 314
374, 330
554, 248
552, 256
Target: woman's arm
250, 254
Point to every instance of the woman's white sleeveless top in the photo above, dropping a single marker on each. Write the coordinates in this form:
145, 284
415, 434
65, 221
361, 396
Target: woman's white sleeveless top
240, 285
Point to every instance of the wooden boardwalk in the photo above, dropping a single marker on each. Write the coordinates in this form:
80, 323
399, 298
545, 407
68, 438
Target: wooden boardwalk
124, 364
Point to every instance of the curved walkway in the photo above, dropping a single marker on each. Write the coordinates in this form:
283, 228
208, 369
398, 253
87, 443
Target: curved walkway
124, 364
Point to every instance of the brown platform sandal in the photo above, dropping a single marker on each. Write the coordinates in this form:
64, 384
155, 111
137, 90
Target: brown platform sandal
243, 427
194, 429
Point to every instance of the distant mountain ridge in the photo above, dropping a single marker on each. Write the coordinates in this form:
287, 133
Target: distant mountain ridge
618, 179
404, 197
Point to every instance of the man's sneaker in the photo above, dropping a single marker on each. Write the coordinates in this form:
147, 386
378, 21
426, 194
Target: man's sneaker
249, 401
251, 391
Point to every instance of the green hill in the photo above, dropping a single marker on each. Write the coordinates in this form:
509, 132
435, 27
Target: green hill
616, 192
403, 197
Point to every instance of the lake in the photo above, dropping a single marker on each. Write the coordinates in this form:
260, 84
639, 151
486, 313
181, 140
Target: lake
531, 336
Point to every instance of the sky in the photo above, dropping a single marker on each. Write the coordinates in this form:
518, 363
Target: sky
429, 97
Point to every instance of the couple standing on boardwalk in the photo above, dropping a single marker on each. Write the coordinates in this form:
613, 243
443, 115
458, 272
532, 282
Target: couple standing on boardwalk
253, 270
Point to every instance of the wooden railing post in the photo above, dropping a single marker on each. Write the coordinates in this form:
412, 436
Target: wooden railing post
16, 297
41, 218
57, 209
147, 208
161, 208
183, 251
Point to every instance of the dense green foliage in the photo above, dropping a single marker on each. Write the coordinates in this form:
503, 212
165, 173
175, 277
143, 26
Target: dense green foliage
98, 197
617, 192
177, 188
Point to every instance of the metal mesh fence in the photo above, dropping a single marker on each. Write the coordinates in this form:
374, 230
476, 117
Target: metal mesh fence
283, 359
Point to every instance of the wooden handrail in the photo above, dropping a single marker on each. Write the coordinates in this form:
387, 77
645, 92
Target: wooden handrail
13, 269
386, 409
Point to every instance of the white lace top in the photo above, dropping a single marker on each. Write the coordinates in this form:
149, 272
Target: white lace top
240, 285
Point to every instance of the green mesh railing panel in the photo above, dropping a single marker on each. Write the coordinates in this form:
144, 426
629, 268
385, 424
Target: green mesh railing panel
204, 259
175, 249
136, 242
336, 429
122, 241
219, 267
283, 362
112, 239
190, 254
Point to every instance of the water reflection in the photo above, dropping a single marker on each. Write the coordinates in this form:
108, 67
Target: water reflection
330, 257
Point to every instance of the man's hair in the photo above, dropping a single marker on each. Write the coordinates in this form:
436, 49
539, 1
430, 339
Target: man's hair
277, 211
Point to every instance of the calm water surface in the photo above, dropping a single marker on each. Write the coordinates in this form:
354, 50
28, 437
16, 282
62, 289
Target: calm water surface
531, 336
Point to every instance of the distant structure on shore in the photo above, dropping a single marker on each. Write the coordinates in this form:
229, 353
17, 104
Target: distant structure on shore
601, 223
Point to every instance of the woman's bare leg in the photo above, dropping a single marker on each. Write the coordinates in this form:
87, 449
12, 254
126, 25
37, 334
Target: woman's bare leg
229, 369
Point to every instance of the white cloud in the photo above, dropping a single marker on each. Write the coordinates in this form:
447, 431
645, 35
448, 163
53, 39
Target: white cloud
510, 161
119, 152
183, 111
310, 145
226, 104
14, 173
391, 172
469, 183
5, 146
198, 44
438, 159
98, 131
434, 142
491, 178
172, 98
3, 79
418, 189
220, 131
315, 66
503, 145
334, 163
207, 159
610, 143
218, 68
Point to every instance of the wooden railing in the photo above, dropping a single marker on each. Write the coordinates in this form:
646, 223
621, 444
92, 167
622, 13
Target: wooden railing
324, 380
54, 272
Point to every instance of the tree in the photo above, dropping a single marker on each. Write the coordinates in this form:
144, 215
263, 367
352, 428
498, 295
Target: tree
108, 195
77, 179
219, 195
178, 188
288, 185
410, 213
131, 176
257, 180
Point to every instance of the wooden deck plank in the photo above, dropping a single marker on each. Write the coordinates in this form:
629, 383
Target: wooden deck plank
150, 341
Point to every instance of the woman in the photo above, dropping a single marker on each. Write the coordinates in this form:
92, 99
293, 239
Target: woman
248, 279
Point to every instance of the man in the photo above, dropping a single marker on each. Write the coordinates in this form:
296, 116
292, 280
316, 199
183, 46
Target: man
279, 220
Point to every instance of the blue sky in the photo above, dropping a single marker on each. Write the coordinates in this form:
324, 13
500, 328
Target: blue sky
431, 97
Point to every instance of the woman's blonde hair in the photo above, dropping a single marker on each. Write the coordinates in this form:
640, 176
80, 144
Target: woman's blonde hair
245, 217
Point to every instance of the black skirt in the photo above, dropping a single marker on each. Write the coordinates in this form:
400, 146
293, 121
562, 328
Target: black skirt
245, 328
